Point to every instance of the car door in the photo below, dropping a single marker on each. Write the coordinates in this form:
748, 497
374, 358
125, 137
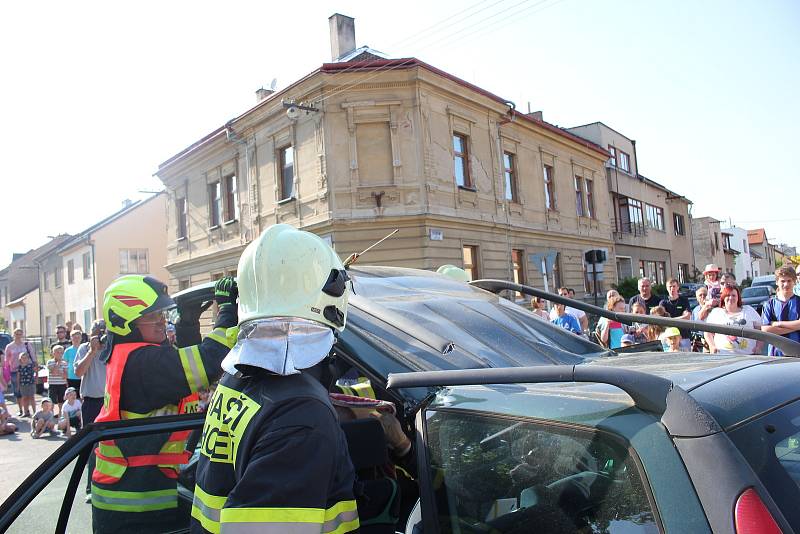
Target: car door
52, 498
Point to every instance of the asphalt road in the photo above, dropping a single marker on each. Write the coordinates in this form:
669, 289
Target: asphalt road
20, 454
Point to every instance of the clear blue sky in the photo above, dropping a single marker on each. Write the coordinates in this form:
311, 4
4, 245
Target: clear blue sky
97, 94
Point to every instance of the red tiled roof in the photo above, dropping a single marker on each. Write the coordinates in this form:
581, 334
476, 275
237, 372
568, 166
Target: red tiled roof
756, 237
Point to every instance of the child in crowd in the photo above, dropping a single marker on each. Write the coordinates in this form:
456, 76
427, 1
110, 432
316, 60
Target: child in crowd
26, 383
57, 369
671, 339
627, 340
713, 284
565, 320
610, 332
639, 330
5, 426
71, 413
652, 332
44, 420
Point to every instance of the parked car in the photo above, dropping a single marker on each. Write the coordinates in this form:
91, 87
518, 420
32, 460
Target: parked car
766, 280
756, 296
688, 289
406, 320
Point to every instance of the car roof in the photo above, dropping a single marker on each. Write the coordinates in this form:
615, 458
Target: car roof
730, 388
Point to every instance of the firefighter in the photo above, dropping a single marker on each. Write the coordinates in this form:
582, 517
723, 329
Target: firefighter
273, 458
134, 480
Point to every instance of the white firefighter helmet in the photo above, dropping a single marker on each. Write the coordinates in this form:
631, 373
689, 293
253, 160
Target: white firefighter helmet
456, 273
287, 272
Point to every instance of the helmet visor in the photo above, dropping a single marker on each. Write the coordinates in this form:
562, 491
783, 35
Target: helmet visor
336, 284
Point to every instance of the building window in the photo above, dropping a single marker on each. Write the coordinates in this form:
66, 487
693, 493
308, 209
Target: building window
590, 199
683, 273
59, 320
71, 271
231, 198
286, 158
214, 204
461, 161
48, 326
641, 269
613, 159
73, 318
631, 216
624, 161
652, 272
45, 281
510, 173
87, 319
87, 266
677, 221
184, 284
59, 276
518, 268
181, 217
579, 210
744, 246
655, 217
549, 188
716, 244
662, 273
133, 261
470, 256
726, 241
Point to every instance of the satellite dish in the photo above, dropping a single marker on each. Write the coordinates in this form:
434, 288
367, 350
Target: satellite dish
273, 84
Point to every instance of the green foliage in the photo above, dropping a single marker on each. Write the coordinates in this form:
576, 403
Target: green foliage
627, 287
660, 290
747, 282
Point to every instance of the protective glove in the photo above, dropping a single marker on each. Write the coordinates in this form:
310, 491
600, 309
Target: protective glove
189, 314
226, 291
395, 437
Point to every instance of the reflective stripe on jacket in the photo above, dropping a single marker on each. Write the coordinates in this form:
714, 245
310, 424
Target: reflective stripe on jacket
273, 459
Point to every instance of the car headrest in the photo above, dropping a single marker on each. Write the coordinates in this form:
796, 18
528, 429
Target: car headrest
366, 442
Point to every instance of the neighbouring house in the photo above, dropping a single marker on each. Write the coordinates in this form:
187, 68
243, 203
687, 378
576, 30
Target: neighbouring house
743, 266
708, 243
20, 298
763, 251
729, 252
76, 274
651, 223
364, 145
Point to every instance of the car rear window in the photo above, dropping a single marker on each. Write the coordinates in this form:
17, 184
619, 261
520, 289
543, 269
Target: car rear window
771, 445
505, 475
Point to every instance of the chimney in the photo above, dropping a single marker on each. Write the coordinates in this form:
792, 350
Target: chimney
536, 115
262, 93
343, 35
127, 203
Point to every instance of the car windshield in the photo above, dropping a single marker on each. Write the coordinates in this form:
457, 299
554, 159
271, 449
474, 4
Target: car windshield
771, 445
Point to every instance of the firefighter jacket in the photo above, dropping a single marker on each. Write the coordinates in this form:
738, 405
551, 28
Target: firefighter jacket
273, 460
134, 481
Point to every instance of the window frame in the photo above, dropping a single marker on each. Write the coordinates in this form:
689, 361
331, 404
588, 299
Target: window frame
58, 276
679, 224
86, 260
214, 204
580, 209
589, 184
511, 192
182, 218
624, 161
70, 272
139, 252
230, 194
657, 220
548, 176
462, 157
283, 195
613, 159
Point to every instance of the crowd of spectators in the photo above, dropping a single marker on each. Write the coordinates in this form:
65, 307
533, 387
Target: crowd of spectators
719, 301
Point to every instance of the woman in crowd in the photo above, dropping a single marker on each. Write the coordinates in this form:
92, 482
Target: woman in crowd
732, 313
651, 331
610, 332
639, 330
538, 308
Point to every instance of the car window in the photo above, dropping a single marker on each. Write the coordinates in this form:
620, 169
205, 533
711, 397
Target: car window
761, 291
498, 475
41, 514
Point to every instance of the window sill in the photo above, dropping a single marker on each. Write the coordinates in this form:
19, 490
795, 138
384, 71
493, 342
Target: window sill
182, 238
214, 227
286, 201
226, 223
465, 188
